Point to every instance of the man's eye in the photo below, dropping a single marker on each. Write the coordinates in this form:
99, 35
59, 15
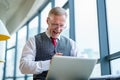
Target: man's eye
61, 25
55, 24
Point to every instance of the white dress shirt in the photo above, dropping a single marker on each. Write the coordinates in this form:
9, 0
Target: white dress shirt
28, 65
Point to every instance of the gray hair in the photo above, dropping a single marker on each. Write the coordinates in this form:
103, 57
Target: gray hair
57, 11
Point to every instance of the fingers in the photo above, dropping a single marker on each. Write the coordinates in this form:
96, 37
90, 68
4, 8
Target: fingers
58, 54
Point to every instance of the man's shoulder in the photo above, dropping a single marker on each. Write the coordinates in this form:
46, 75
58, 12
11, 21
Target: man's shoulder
65, 38
39, 34
62, 36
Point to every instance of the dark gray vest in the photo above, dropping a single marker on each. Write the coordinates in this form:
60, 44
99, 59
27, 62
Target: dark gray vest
45, 48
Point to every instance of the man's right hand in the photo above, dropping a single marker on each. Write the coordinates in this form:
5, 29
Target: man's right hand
57, 54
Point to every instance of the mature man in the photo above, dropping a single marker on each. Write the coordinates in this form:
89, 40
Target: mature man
39, 50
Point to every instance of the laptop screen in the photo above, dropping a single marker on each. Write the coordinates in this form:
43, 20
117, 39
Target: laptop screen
70, 68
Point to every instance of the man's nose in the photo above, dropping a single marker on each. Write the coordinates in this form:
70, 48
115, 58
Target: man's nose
58, 28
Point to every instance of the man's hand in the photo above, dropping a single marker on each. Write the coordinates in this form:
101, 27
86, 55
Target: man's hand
57, 54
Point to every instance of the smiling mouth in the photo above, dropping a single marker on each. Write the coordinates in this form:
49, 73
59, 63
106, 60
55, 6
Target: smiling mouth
56, 32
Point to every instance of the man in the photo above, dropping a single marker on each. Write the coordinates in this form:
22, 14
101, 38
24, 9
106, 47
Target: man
39, 50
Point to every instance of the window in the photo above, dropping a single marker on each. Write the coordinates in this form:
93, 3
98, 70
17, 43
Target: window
10, 63
66, 30
60, 3
11, 41
115, 66
44, 15
113, 17
86, 28
33, 27
2, 57
21, 39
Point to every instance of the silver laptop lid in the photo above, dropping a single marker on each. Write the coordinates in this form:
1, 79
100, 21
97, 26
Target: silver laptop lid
70, 68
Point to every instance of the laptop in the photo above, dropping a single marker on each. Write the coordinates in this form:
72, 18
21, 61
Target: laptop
70, 68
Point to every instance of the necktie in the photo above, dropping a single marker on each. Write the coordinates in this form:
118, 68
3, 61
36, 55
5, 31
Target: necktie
54, 41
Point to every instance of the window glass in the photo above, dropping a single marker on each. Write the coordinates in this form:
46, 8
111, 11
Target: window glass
1, 70
21, 78
113, 20
2, 50
44, 15
96, 71
33, 27
60, 3
9, 79
66, 30
2, 57
11, 41
115, 67
21, 39
30, 77
10, 63
86, 28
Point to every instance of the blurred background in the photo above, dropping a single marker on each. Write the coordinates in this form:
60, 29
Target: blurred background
93, 24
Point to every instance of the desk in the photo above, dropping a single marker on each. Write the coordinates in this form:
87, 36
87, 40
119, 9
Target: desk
107, 77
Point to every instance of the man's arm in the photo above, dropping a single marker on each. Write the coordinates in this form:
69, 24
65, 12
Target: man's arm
28, 65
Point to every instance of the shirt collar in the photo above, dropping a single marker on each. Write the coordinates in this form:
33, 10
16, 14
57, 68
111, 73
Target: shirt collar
47, 33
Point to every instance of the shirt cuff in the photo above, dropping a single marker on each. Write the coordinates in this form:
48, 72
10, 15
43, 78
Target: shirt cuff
45, 65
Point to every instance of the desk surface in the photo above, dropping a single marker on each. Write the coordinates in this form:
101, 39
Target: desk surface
107, 77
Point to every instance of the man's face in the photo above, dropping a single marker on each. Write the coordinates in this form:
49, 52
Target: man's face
56, 24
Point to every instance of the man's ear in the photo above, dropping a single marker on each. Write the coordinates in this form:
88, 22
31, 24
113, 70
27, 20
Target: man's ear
47, 20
